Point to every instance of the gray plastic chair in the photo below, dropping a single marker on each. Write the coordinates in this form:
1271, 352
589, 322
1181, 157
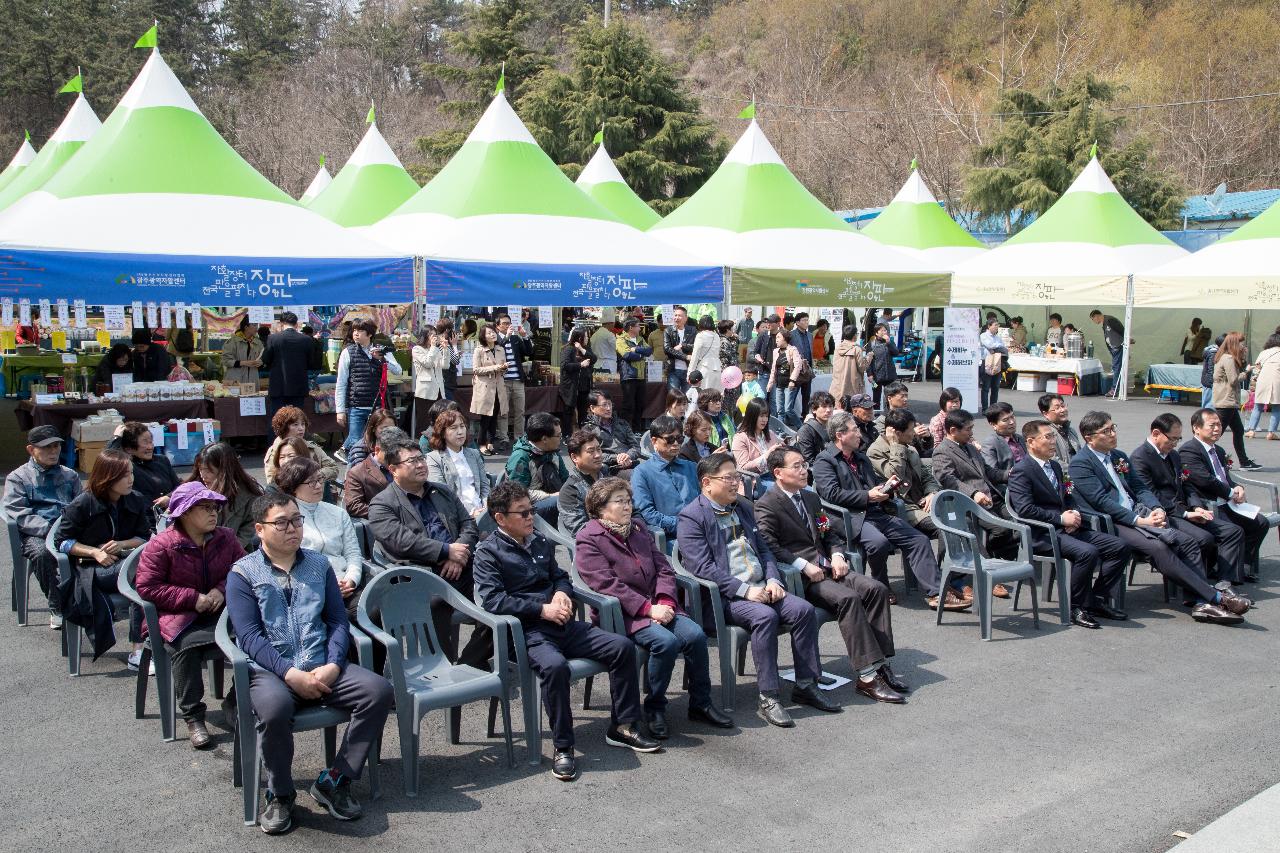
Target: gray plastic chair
20, 581
1052, 567
1272, 517
422, 676
155, 651
72, 635
555, 534
364, 533
956, 518
246, 760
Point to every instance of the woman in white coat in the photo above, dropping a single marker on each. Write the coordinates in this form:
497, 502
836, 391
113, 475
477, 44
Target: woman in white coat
1266, 390
430, 358
242, 354
705, 357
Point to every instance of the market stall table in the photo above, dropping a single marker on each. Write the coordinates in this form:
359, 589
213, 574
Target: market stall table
234, 425
60, 415
1174, 377
13, 367
1087, 371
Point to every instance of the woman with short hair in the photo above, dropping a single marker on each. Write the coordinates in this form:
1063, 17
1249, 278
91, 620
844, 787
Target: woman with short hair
616, 555
488, 364
455, 466
291, 422
326, 529
950, 400
697, 445
153, 475
242, 354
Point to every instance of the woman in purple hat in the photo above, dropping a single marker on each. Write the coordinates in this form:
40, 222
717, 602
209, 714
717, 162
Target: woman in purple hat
183, 571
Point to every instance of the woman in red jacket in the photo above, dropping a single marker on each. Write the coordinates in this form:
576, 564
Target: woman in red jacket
183, 571
616, 555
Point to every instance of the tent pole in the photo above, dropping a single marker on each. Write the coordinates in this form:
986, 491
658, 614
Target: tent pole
420, 315
924, 348
1123, 392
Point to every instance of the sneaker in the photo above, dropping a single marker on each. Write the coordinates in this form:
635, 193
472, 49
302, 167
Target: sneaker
277, 815
55, 621
336, 798
135, 660
1250, 466
564, 766
341, 455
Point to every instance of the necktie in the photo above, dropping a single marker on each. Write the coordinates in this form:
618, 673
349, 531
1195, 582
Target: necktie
1217, 465
1048, 472
799, 502
1115, 478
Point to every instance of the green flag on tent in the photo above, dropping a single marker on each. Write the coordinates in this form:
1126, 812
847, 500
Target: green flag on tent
27, 133
322, 160
915, 164
502, 81
75, 84
749, 111
1093, 151
148, 38
598, 139
370, 118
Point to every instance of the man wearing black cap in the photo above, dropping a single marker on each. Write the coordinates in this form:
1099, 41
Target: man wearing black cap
861, 407
35, 495
150, 362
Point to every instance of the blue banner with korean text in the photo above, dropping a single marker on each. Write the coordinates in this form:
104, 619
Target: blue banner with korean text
104, 278
475, 283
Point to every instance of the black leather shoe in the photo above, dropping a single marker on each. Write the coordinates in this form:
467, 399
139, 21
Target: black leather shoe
812, 696
629, 736
891, 678
564, 766
1250, 578
1215, 614
199, 735
1106, 611
826, 680
712, 716
656, 723
772, 712
879, 690
1083, 619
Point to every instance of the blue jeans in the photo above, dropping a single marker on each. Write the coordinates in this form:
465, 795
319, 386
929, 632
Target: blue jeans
790, 402
1255, 417
548, 509
678, 380
356, 419
1206, 397
665, 643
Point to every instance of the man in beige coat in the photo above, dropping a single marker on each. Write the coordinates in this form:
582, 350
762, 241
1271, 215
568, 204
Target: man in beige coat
893, 454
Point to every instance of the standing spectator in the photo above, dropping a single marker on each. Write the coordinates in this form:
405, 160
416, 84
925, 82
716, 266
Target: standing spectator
730, 356
1113, 336
882, 369
656, 337
677, 345
290, 422
664, 482
153, 475
447, 339
536, 464
576, 360
802, 338
1228, 363
632, 352
242, 354
35, 496
1206, 372
365, 481
993, 354
784, 378
362, 381
287, 612
821, 340
327, 529
489, 363
458, 468
516, 346
98, 528
950, 400
1193, 344
183, 571
430, 357
516, 575
746, 331
604, 343
217, 467
761, 351
1266, 394
705, 357
288, 356
587, 466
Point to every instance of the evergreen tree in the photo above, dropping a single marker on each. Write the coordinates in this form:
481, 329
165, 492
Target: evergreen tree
260, 37
662, 144
1045, 141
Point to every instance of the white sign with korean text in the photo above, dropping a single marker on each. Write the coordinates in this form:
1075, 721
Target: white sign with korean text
250, 406
64, 314
962, 354
113, 318
82, 314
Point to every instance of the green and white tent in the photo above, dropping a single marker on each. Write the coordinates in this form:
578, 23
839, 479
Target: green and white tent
158, 198
317, 185
914, 223
785, 247
369, 186
601, 180
21, 160
1080, 252
77, 127
1241, 271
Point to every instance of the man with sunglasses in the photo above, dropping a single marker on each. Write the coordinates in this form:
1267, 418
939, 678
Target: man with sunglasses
517, 575
420, 523
665, 483
288, 616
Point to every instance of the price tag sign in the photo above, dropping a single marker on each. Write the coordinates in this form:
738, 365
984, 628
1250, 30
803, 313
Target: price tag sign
431, 315
119, 380
24, 312
69, 358
250, 406
45, 313
183, 443
157, 434
466, 361
261, 314
665, 311
137, 313
47, 399
166, 315
196, 316
64, 315
82, 314
6, 311
208, 432
302, 312
112, 317
653, 371
544, 316
514, 312
153, 316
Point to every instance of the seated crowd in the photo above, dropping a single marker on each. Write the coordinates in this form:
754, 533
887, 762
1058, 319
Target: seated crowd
288, 566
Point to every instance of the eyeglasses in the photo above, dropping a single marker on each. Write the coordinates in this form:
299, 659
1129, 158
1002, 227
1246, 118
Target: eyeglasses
728, 478
522, 513
317, 480
413, 460
620, 500
798, 466
674, 438
283, 524
1111, 430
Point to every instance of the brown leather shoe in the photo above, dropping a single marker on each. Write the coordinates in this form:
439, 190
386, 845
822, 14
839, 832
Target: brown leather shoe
891, 678
1214, 613
952, 602
967, 593
878, 690
200, 738
1235, 604
893, 599
1000, 591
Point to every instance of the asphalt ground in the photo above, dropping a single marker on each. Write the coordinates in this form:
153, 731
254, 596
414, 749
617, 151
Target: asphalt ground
1050, 739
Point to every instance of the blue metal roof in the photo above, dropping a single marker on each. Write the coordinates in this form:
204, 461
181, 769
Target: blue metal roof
1241, 205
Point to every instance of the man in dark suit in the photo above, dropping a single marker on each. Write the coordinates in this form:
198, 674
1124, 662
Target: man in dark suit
1207, 473
802, 339
812, 438
958, 465
800, 535
1039, 491
1104, 483
1158, 467
719, 541
424, 524
844, 477
289, 354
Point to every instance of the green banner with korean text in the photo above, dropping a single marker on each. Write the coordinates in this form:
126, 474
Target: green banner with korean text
826, 288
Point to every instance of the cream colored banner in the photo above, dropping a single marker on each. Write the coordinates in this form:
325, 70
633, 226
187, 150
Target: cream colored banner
1037, 290
1232, 292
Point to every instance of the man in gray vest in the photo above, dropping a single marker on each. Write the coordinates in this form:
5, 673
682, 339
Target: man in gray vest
361, 384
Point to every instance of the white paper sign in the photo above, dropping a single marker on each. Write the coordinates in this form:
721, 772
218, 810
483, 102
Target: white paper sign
119, 380
153, 316
208, 432
179, 315
137, 313
112, 317
196, 317
250, 406
64, 314
45, 313
166, 315
665, 311
24, 312
302, 312
183, 444
6, 311
545, 319
466, 361
69, 358
514, 312
653, 371
82, 315
962, 354
157, 434
47, 399
261, 314
431, 314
